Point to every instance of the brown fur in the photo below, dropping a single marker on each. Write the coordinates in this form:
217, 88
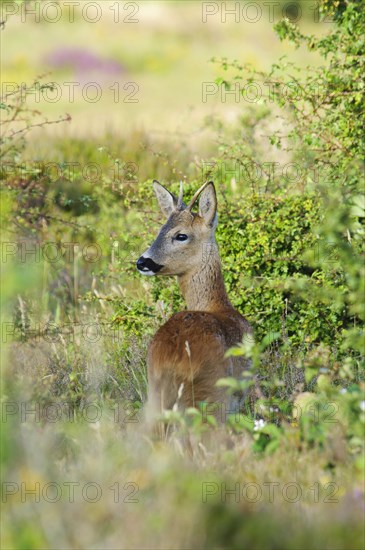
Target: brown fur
186, 355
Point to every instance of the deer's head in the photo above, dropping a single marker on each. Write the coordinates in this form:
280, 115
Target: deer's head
183, 242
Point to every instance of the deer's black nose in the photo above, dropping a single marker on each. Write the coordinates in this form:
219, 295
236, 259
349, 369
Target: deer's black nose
141, 264
147, 264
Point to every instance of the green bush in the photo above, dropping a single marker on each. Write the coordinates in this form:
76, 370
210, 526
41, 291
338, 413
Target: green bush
266, 244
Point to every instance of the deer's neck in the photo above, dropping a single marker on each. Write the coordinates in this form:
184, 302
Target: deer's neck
203, 288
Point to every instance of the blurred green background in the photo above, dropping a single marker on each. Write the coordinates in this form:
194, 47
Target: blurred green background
162, 48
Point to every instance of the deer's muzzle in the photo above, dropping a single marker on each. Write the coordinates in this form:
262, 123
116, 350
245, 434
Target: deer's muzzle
147, 266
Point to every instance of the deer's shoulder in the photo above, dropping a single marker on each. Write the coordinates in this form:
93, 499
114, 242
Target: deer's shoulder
224, 326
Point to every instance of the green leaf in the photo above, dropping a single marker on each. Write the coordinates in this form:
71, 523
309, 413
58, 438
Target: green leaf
228, 382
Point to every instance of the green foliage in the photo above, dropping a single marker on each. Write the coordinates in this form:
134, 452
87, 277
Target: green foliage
323, 112
16, 110
323, 292
266, 243
330, 412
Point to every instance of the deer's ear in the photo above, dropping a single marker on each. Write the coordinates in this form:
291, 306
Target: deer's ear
208, 205
166, 200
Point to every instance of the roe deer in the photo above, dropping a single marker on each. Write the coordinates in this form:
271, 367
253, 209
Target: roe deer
186, 355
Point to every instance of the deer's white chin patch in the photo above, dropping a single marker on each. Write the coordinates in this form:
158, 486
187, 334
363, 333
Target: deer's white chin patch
148, 272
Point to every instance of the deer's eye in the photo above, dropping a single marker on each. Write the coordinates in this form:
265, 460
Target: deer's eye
181, 237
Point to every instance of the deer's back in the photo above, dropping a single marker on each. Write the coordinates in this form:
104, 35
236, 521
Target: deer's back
189, 349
